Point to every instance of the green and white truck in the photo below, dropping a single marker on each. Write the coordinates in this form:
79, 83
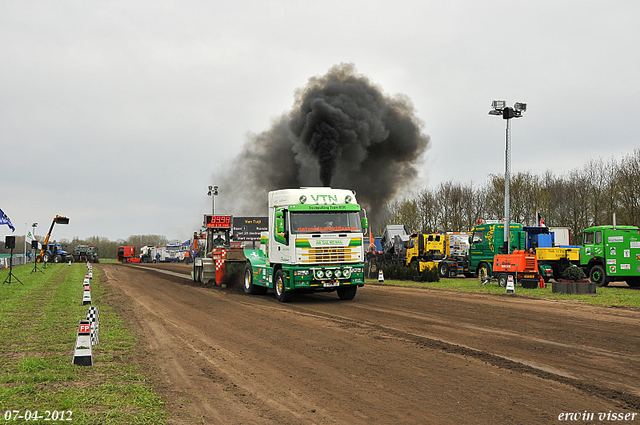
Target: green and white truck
314, 243
611, 253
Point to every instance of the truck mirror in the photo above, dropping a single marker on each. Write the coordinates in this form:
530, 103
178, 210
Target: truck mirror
365, 222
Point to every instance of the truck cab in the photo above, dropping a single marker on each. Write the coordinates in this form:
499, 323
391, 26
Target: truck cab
425, 247
487, 240
611, 253
314, 243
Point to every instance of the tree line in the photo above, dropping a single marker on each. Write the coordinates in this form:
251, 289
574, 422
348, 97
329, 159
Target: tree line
106, 247
580, 198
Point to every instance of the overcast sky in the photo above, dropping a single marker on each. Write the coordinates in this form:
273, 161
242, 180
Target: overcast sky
119, 114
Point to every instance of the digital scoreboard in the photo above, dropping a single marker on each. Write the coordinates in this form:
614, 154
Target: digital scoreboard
218, 221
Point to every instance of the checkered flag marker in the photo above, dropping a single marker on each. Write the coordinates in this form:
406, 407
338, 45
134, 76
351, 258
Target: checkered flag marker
93, 318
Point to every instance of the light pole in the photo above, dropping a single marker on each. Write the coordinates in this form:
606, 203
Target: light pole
498, 107
213, 192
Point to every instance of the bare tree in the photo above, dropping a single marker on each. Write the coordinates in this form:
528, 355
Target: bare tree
628, 189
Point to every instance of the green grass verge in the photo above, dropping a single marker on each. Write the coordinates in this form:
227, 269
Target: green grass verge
38, 329
608, 297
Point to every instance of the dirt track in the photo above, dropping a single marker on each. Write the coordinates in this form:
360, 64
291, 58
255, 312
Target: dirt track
392, 355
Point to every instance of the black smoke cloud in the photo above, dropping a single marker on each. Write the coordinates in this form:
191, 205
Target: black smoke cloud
343, 132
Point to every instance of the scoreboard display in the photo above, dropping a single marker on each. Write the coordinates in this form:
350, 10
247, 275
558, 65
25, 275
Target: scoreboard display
218, 221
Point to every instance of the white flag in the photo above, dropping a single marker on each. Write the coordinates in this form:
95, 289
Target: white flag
29, 237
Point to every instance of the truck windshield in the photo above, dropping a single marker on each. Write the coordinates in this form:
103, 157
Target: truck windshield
325, 222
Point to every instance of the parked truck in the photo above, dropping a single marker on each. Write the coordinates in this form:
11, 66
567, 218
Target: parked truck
611, 253
128, 254
314, 243
394, 243
487, 240
423, 247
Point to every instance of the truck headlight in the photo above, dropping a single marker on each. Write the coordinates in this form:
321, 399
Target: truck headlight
357, 270
319, 274
302, 272
346, 273
337, 273
329, 273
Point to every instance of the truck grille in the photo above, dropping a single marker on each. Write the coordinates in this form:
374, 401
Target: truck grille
328, 255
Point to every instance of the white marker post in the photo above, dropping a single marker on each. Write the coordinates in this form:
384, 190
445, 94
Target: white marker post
86, 297
380, 276
510, 286
83, 354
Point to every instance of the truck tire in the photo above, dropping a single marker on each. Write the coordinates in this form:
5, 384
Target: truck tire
443, 269
483, 270
502, 280
278, 283
598, 276
249, 287
57, 259
347, 293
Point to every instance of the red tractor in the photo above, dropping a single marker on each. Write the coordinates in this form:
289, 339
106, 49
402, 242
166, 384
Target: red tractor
521, 264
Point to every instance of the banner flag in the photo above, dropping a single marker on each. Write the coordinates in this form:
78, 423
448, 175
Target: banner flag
29, 238
4, 219
539, 219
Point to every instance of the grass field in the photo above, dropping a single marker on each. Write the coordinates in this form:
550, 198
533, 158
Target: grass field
607, 296
38, 329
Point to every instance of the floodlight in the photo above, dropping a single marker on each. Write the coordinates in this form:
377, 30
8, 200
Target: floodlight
519, 106
498, 104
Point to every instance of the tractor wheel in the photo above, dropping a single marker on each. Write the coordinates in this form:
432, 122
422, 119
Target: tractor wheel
502, 280
443, 269
598, 276
281, 294
57, 259
347, 293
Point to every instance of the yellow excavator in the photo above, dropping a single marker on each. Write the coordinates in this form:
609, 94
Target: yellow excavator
45, 252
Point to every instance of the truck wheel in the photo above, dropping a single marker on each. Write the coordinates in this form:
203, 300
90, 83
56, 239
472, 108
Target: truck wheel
249, 287
598, 276
502, 280
443, 269
483, 270
57, 259
281, 294
347, 293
